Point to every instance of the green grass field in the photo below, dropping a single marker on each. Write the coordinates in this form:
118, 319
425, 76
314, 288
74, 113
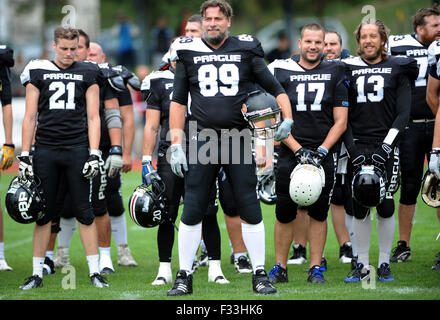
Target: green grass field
414, 279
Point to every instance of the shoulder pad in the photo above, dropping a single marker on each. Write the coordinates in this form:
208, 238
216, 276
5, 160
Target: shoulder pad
248, 42
6, 56
187, 43
433, 52
354, 61
402, 40
36, 64
408, 65
286, 64
146, 83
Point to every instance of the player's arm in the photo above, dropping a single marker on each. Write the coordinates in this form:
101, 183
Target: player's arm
128, 127
113, 121
432, 91
30, 117
151, 129
93, 119
340, 116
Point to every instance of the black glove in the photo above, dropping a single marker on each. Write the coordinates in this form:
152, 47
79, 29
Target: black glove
25, 170
91, 167
305, 156
319, 155
381, 155
357, 159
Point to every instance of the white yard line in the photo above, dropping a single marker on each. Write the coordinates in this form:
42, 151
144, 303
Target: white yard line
18, 243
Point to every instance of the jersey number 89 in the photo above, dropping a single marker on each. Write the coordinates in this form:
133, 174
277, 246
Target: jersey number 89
209, 76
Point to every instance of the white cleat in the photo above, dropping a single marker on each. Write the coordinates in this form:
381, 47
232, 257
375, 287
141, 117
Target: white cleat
4, 265
124, 257
215, 273
61, 258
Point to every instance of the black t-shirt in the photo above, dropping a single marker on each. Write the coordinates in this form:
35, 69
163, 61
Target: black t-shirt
407, 45
62, 109
313, 94
373, 94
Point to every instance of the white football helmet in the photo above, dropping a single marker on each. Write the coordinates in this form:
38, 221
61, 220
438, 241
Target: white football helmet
306, 183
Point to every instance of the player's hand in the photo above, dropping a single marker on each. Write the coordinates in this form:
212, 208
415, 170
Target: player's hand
178, 160
114, 162
305, 156
25, 169
434, 162
148, 172
381, 155
319, 155
7, 156
91, 167
284, 129
127, 163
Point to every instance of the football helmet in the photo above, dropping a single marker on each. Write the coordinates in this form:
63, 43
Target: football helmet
368, 186
431, 189
266, 188
148, 204
24, 201
262, 113
128, 77
306, 183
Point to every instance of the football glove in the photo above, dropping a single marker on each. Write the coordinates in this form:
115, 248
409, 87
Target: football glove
284, 129
178, 160
434, 162
91, 167
25, 168
381, 155
113, 164
319, 155
305, 156
357, 159
148, 172
7, 156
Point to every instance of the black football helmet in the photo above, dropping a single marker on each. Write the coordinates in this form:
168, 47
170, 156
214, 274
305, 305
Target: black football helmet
262, 113
24, 200
431, 190
128, 77
148, 204
368, 186
266, 188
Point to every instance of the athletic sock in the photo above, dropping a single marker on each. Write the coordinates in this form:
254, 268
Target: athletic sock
119, 229
68, 227
2, 250
37, 266
93, 262
189, 240
385, 232
362, 234
254, 240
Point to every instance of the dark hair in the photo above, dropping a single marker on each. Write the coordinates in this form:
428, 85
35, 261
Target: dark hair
86, 36
224, 6
336, 33
418, 18
383, 32
195, 18
65, 33
312, 26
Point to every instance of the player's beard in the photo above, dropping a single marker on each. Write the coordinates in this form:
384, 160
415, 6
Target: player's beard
215, 40
371, 57
311, 61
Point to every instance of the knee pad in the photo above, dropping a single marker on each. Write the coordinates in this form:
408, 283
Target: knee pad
386, 208
55, 227
409, 193
285, 209
85, 216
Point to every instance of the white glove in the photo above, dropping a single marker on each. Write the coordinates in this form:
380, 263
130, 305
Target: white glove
114, 162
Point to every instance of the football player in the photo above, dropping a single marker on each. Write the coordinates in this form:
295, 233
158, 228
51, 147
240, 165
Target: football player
319, 102
416, 139
7, 152
432, 98
63, 97
219, 72
380, 104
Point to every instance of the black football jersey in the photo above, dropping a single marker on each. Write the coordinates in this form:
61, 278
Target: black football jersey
158, 89
407, 45
313, 94
372, 94
433, 59
62, 110
218, 80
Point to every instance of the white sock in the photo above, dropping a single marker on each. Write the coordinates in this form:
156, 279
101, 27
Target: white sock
93, 262
254, 240
239, 254
164, 268
49, 254
37, 266
362, 234
68, 227
385, 233
105, 259
349, 225
202, 244
189, 240
119, 229
2, 250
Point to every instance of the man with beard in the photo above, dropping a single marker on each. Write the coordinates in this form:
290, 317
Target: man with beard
317, 91
219, 71
380, 104
416, 140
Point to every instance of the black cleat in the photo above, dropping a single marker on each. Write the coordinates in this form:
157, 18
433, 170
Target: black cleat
298, 256
48, 266
384, 272
401, 253
32, 282
98, 281
261, 283
182, 284
243, 265
315, 275
278, 274
346, 253
358, 274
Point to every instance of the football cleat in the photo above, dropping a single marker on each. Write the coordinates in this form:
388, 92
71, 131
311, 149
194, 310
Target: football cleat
98, 281
278, 274
436, 266
182, 284
243, 265
315, 275
215, 273
48, 266
401, 253
124, 257
384, 272
261, 283
298, 256
354, 262
61, 258
346, 253
32, 282
4, 266
359, 274
195, 266
164, 276
106, 265
203, 258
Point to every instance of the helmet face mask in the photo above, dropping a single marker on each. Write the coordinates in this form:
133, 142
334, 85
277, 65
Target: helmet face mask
368, 186
431, 190
306, 183
262, 113
24, 201
148, 204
